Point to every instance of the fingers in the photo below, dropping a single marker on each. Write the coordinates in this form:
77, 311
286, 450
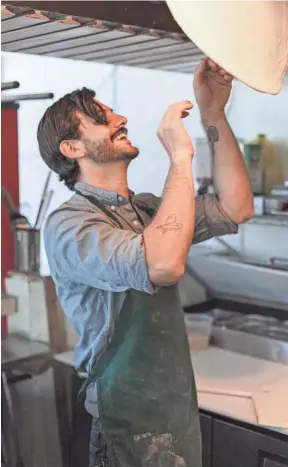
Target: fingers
180, 109
203, 65
229, 78
211, 65
173, 114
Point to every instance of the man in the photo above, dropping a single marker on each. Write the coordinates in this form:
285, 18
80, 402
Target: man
117, 258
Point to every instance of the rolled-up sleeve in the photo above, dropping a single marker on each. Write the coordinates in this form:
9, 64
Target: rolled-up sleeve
210, 220
96, 253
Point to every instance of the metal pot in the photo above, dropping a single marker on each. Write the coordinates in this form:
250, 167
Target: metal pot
27, 250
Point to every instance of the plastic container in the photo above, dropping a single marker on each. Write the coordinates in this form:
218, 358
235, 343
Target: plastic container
199, 330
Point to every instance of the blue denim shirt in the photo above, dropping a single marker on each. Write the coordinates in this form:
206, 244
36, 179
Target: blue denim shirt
93, 261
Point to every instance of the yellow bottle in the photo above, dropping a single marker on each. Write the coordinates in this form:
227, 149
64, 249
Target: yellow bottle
271, 172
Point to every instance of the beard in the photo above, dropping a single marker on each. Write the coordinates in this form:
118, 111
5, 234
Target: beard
107, 151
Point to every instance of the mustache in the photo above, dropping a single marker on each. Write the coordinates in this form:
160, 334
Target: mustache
120, 132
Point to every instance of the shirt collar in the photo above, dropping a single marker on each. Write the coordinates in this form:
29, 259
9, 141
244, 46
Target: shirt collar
106, 196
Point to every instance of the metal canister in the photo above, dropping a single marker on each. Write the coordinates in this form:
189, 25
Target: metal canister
27, 250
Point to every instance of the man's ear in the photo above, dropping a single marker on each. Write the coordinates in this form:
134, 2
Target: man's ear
72, 148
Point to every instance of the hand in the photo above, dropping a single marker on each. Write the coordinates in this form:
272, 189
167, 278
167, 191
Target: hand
173, 134
212, 87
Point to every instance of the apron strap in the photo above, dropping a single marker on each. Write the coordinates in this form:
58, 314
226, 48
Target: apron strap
83, 389
100, 206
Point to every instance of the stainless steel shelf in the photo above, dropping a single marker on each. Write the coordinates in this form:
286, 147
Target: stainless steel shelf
48, 33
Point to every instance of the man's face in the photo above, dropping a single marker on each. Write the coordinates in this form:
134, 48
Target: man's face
106, 143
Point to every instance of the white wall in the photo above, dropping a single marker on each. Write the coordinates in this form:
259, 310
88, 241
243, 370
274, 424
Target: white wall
142, 96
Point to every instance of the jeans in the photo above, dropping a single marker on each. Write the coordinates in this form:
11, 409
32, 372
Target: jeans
98, 447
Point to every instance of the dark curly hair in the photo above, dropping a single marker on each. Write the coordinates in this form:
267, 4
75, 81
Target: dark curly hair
60, 123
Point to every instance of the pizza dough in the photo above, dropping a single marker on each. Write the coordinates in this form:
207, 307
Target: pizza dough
248, 39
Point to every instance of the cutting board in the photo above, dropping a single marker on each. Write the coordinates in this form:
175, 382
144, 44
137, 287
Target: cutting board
225, 372
271, 408
242, 387
271, 403
242, 408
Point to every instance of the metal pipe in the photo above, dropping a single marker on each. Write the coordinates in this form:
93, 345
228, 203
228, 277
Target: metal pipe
229, 248
45, 206
27, 97
45, 189
10, 85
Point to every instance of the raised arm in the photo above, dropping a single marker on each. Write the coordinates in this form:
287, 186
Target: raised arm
168, 238
212, 86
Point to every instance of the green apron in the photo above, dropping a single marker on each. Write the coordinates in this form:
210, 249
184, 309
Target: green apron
146, 390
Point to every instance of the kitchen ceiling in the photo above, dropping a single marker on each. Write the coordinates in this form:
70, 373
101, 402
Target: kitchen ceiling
142, 34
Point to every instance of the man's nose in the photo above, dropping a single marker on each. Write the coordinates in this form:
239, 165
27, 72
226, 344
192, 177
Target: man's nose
120, 121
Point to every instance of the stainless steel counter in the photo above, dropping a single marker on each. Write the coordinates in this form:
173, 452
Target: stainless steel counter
255, 335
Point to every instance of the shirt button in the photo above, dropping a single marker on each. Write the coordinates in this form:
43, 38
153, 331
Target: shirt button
113, 208
135, 222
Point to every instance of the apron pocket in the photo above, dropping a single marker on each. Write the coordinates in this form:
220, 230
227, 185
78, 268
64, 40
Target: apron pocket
147, 450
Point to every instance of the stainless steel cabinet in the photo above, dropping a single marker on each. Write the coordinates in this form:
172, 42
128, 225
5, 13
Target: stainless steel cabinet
242, 447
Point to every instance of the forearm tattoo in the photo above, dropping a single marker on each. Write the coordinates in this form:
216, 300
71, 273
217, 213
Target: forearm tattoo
170, 224
213, 137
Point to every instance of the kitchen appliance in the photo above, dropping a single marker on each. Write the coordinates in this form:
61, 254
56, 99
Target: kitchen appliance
275, 204
259, 336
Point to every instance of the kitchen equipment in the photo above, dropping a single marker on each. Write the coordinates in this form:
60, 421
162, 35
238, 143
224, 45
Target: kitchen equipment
27, 250
224, 317
254, 163
270, 163
199, 329
230, 383
27, 97
275, 204
203, 165
228, 372
259, 336
258, 202
263, 164
252, 323
44, 209
275, 332
15, 217
280, 190
9, 85
44, 202
230, 277
39, 314
271, 408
